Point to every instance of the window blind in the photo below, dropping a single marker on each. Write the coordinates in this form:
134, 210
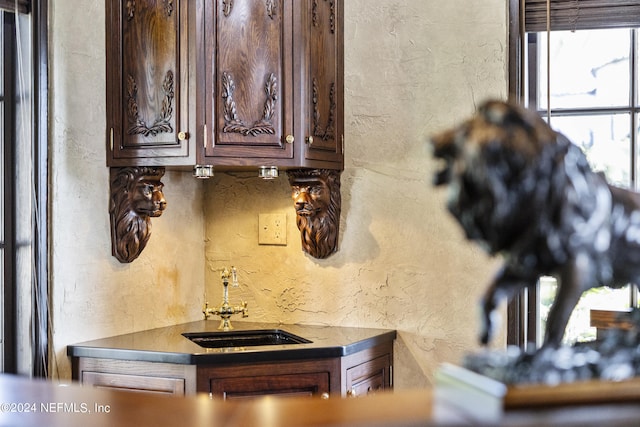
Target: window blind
581, 14
20, 6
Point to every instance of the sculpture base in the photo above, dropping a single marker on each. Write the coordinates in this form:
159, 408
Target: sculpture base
486, 400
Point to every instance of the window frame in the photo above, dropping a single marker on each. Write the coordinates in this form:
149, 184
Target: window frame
9, 362
34, 359
41, 233
522, 311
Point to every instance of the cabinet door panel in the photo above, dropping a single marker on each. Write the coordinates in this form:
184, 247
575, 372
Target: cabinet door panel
248, 79
147, 79
324, 101
368, 377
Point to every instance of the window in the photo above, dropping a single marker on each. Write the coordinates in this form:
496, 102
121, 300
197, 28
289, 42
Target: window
7, 124
23, 188
577, 64
591, 98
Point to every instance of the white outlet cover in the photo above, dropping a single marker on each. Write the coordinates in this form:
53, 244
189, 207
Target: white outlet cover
272, 229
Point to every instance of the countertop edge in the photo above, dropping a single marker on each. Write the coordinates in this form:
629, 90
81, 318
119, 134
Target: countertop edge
252, 355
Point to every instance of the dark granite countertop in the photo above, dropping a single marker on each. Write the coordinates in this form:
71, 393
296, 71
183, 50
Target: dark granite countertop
169, 346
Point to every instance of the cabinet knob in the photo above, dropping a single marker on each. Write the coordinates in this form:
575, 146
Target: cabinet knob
289, 139
182, 136
324, 396
351, 392
310, 140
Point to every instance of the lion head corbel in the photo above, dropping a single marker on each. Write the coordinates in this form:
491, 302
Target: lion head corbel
136, 197
316, 196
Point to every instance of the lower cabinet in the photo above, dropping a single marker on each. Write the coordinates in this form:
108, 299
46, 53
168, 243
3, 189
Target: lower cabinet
368, 377
135, 376
355, 375
368, 371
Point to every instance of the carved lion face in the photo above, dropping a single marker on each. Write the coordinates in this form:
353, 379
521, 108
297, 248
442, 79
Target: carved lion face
148, 198
311, 198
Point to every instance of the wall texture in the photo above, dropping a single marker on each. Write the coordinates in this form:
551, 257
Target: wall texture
93, 295
412, 68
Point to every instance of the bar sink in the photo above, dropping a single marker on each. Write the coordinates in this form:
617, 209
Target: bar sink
244, 338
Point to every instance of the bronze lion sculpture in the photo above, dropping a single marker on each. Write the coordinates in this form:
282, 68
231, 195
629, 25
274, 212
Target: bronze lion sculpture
136, 196
526, 192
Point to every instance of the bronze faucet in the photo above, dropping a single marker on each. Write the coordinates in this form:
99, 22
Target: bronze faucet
225, 311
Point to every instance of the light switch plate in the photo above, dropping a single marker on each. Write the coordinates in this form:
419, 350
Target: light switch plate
272, 229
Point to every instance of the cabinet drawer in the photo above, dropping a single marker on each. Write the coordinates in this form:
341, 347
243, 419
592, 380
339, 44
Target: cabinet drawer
136, 383
313, 377
309, 384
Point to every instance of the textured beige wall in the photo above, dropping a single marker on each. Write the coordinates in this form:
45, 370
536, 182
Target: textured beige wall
93, 295
412, 67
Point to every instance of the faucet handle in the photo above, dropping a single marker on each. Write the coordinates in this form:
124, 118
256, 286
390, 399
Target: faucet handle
245, 310
234, 277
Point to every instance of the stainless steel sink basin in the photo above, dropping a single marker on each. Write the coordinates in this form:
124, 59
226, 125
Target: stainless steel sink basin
244, 338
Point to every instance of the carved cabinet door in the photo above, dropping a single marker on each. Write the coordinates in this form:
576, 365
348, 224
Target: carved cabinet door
248, 81
322, 78
147, 82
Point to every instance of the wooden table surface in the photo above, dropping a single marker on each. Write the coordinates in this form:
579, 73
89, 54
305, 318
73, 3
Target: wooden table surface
40, 403
25, 402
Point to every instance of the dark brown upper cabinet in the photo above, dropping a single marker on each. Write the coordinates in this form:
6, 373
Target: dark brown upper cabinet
228, 83
273, 83
248, 81
322, 82
150, 95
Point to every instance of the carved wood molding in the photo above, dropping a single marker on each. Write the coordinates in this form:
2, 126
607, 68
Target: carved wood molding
332, 14
131, 8
227, 7
135, 197
316, 197
168, 7
329, 130
271, 9
233, 124
162, 123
